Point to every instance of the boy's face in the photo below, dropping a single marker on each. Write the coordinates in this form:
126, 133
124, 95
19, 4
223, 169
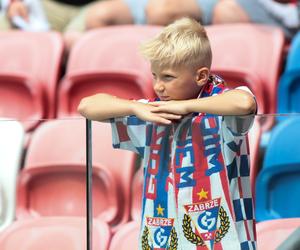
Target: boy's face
178, 83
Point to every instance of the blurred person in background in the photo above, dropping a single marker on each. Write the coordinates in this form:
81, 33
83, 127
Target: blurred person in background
66, 16
76, 16
284, 13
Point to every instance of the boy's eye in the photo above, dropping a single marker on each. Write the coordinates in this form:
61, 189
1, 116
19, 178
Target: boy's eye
168, 77
154, 76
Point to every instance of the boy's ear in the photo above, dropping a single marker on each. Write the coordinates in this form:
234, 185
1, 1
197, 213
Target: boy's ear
202, 76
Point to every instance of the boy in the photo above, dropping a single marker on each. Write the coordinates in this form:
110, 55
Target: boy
196, 188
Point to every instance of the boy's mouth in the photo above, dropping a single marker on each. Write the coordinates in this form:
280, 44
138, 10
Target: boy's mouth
164, 98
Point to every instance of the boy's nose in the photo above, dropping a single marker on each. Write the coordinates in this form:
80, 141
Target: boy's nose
159, 86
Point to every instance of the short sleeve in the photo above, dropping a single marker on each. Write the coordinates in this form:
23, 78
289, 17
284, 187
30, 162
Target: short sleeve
240, 125
129, 133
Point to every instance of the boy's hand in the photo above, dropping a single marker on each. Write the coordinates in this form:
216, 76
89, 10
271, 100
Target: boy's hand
150, 113
171, 107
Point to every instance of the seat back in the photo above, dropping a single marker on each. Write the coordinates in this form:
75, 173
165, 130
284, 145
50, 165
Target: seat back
29, 72
238, 48
289, 90
272, 233
107, 60
54, 233
126, 237
49, 165
280, 172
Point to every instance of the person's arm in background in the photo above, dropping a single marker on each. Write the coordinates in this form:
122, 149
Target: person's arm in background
233, 102
285, 11
101, 107
14, 8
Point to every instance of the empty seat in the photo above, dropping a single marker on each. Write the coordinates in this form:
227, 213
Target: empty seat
57, 167
107, 60
277, 185
54, 233
289, 85
29, 70
11, 149
126, 237
249, 54
271, 234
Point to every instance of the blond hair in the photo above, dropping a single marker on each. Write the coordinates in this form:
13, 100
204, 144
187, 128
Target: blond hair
182, 43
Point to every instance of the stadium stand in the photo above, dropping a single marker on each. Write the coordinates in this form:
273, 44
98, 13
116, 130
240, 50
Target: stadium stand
277, 185
271, 234
54, 233
289, 85
107, 60
58, 169
250, 54
53, 181
29, 70
126, 237
11, 146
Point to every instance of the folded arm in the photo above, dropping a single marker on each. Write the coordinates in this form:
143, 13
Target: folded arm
233, 102
101, 107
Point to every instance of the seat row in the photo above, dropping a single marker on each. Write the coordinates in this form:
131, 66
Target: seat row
52, 181
55, 164
69, 233
108, 60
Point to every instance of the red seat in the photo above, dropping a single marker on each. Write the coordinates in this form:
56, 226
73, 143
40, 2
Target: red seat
252, 53
271, 233
107, 60
57, 168
126, 237
29, 69
54, 233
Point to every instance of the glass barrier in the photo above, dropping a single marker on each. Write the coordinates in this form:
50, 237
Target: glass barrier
43, 179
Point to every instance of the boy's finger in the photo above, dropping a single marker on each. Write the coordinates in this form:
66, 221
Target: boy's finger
162, 109
157, 104
161, 120
170, 116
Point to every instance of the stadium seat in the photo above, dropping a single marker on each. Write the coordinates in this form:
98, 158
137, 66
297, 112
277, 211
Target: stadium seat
107, 60
126, 237
29, 69
11, 149
277, 185
54, 233
58, 169
252, 53
271, 234
289, 85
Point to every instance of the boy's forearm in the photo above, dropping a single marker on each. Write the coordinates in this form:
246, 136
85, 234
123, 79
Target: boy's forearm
101, 107
234, 102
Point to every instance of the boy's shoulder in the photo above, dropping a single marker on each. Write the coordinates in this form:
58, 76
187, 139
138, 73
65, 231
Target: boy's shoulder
215, 85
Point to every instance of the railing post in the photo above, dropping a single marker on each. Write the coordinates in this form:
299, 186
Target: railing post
89, 173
